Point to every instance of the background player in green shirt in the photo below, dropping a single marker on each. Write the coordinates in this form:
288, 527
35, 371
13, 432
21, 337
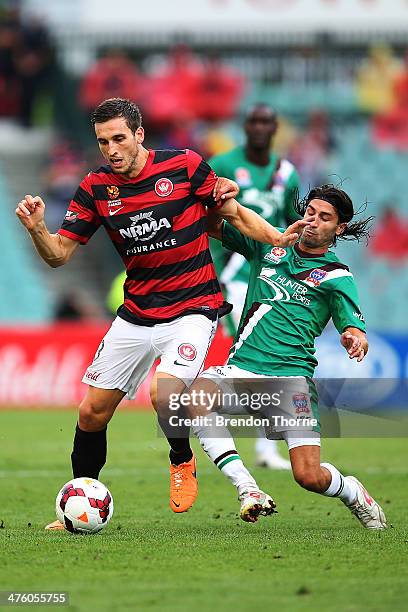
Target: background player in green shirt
268, 185
293, 293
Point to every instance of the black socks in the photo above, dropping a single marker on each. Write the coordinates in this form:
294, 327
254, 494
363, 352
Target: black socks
89, 453
180, 449
182, 456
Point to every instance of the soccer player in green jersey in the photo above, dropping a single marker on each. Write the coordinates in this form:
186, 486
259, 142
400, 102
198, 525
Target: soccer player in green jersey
293, 293
268, 185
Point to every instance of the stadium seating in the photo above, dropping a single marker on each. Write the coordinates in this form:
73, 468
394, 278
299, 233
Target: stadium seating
24, 294
378, 177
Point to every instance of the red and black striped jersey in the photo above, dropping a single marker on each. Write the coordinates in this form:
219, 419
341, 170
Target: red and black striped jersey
157, 223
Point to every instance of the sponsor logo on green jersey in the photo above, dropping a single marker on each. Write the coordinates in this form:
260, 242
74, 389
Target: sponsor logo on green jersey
285, 288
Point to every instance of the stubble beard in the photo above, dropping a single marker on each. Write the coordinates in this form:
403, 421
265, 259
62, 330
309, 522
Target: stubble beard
316, 243
129, 169
133, 162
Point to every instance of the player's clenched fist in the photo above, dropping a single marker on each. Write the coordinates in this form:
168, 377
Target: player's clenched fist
30, 211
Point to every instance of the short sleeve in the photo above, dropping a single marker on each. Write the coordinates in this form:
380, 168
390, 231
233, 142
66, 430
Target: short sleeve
344, 305
202, 178
82, 219
233, 240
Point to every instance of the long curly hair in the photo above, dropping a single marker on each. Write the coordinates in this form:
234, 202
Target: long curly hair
341, 201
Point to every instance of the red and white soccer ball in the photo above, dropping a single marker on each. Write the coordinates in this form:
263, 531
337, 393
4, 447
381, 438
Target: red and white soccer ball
84, 505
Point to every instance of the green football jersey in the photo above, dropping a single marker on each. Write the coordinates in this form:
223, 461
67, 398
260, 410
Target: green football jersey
268, 190
290, 299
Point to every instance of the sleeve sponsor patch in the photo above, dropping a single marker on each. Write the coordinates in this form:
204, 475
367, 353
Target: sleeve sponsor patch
71, 216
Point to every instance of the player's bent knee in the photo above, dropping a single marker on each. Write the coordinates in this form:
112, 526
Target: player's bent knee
93, 417
98, 407
89, 421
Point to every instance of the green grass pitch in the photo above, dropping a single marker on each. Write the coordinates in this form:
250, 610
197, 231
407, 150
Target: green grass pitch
313, 555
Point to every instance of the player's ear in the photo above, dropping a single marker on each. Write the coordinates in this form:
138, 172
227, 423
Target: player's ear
340, 228
139, 134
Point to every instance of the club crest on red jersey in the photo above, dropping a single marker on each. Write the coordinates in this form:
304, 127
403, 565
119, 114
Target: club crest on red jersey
163, 187
187, 351
113, 192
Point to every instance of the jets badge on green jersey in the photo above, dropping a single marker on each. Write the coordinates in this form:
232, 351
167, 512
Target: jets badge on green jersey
316, 276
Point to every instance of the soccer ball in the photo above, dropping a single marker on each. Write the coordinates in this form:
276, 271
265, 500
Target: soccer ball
84, 505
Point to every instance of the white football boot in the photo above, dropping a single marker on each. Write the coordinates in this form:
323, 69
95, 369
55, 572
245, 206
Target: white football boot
366, 509
255, 503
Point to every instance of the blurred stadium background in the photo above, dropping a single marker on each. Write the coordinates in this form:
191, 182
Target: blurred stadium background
335, 70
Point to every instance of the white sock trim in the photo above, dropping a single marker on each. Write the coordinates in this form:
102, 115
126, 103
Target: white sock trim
337, 481
342, 487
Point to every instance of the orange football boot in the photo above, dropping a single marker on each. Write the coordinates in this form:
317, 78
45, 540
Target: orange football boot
56, 525
183, 485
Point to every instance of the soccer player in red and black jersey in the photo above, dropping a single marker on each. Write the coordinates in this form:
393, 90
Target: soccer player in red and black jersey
153, 206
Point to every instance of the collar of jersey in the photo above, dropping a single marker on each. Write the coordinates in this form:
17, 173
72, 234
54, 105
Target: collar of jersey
270, 165
303, 254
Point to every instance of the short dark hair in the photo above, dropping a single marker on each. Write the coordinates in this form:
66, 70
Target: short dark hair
118, 107
343, 204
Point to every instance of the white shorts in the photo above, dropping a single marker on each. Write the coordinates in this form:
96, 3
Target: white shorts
128, 351
224, 376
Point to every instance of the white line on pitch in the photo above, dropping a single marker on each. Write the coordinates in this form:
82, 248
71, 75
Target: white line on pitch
137, 472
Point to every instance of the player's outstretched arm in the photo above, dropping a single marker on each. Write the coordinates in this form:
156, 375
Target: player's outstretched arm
54, 249
250, 224
355, 342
